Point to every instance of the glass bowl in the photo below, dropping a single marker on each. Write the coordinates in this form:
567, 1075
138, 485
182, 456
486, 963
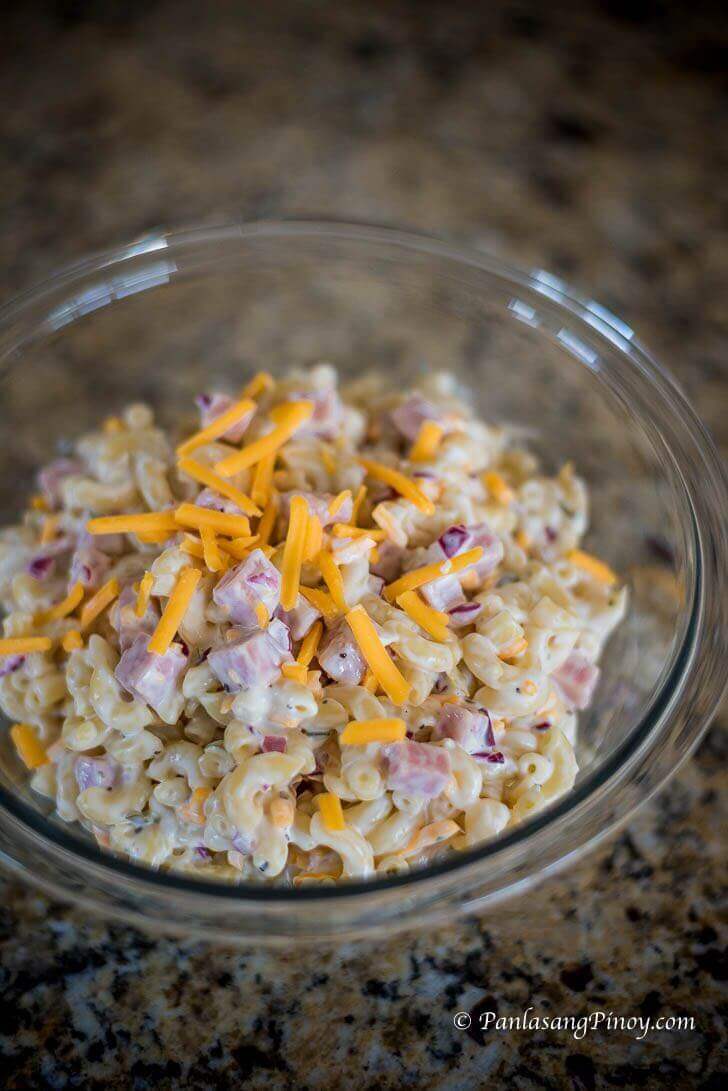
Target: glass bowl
172, 314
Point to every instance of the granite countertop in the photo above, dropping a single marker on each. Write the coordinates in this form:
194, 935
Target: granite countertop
557, 137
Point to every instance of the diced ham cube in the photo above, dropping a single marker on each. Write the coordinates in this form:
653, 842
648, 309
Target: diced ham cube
51, 477
409, 417
470, 728
416, 768
300, 619
577, 678
389, 562
327, 412
255, 580
375, 585
482, 535
154, 679
213, 405
340, 657
443, 594
208, 498
88, 567
95, 772
123, 618
253, 659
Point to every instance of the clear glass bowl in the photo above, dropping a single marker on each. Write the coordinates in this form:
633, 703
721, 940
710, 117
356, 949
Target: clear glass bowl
167, 316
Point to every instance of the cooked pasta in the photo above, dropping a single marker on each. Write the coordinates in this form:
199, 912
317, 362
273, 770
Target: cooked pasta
327, 636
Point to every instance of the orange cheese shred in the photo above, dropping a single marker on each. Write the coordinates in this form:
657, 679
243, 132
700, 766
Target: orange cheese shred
287, 419
310, 643
429, 572
331, 812
24, 645
400, 483
29, 748
174, 611
205, 476
98, 602
145, 590
332, 578
232, 526
293, 552
428, 440
383, 668
218, 427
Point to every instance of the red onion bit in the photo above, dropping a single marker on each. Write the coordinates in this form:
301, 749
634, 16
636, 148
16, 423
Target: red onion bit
453, 540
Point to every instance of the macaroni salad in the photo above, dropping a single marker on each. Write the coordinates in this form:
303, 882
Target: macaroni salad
323, 637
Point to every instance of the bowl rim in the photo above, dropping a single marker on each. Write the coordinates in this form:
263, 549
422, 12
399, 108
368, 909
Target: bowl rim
602, 323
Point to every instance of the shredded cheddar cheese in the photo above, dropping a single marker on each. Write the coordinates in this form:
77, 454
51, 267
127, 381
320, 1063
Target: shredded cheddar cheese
174, 611
332, 578
293, 552
218, 427
496, 485
150, 522
310, 643
193, 547
263, 480
72, 641
596, 568
433, 834
24, 645
358, 501
49, 529
429, 572
239, 548
322, 601
432, 621
145, 590
314, 539
262, 615
328, 459
428, 440
361, 732
346, 530
521, 539
38, 502
260, 382
331, 812
265, 526
112, 425
63, 608
30, 749
98, 602
205, 476
295, 672
392, 682
400, 483
232, 526
286, 418
338, 502
210, 550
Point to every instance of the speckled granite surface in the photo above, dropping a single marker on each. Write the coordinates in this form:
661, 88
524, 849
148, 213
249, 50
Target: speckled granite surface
559, 137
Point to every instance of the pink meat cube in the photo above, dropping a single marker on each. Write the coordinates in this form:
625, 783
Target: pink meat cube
482, 535
154, 679
213, 405
327, 411
577, 678
95, 772
415, 768
52, 476
300, 619
340, 657
253, 659
409, 417
443, 594
88, 567
123, 618
208, 498
273, 743
255, 580
470, 728
389, 564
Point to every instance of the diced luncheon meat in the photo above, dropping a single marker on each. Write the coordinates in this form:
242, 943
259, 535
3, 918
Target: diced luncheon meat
325, 420
318, 505
52, 476
254, 582
208, 498
340, 657
415, 768
444, 594
124, 620
213, 405
468, 726
152, 678
300, 619
273, 743
577, 678
88, 567
253, 658
409, 417
388, 565
95, 772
